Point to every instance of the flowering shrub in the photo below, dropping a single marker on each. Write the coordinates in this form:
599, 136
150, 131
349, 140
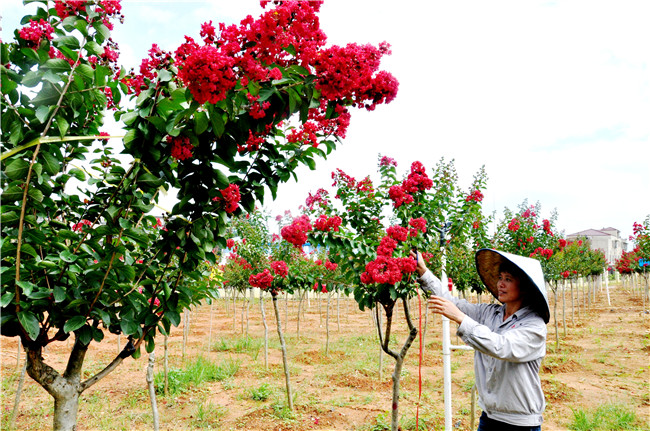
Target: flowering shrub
209, 119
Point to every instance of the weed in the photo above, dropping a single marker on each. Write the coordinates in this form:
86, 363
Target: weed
261, 393
207, 415
607, 417
246, 345
197, 372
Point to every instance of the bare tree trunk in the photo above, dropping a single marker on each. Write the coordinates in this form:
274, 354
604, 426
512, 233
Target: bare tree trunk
557, 337
284, 353
186, 325
564, 306
266, 332
399, 357
19, 391
573, 308
327, 325
210, 332
300, 297
286, 311
166, 365
338, 311
152, 390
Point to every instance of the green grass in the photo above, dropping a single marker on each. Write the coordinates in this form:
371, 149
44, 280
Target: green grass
208, 416
247, 345
199, 371
607, 417
261, 393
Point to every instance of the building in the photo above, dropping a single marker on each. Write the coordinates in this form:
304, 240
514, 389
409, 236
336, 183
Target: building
606, 239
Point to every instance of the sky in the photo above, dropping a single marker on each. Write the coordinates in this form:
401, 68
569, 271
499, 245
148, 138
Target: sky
552, 97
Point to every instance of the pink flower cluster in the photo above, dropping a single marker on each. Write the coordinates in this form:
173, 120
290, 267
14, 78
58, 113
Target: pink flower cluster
387, 161
296, 232
475, 196
320, 198
280, 268
325, 224
36, 31
416, 181
181, 147
262, 280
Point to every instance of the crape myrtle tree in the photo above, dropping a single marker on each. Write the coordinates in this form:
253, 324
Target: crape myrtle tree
221, 120
370, 232
631, 261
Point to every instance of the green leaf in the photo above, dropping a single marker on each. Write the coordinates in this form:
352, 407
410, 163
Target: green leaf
17, 169
74, 323
128, 326
28, 249
12, 194
51, 163
148, 180
32, 78
42, 112
49, 95
35, 194
86, 71
200, 122
30, 323
59, 293
69, 41
173, 317
57, 65
218, 125
6, 299
67, 256
78, 174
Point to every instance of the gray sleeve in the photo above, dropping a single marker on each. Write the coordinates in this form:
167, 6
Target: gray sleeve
433, 286
523, 344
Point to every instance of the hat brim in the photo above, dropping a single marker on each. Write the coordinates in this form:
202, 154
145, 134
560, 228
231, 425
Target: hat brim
488, 262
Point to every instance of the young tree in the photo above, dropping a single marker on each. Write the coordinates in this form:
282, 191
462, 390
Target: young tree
221, 120
372, 234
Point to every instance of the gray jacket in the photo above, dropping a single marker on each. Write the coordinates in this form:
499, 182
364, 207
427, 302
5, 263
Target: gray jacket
507, 356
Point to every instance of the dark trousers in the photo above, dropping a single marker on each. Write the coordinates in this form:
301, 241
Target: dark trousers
487, 424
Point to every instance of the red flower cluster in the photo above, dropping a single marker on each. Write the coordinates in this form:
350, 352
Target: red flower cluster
331, 265
347, 73
476, 225
566, 274
78, 227
230, 243
36, 31
296, 232
417, 180
181, 147
514, 225
325, 224
208, 73
256, 109
398, 233
562, 243
475, 196
419, 225
305, 134
240, 261
280, 268
529, 213
230, 197
388, 270
262, 280
544, 252
546, 225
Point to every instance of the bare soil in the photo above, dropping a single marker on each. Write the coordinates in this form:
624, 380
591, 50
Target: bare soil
602, 359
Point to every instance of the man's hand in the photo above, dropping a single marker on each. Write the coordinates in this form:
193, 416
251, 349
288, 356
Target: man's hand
446, 308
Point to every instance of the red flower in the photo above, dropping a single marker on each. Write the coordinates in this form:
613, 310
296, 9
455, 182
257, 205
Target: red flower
296, 232
280, 268
262, 280
387, 161
514, 225
181, 147
419, 223
398, 233
230, 243
36, 31
475, 196
230, 197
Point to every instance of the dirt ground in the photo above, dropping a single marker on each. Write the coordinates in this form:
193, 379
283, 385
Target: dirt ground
603, 359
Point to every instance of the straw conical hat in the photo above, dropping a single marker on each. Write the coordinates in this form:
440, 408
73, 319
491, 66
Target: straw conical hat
487, 265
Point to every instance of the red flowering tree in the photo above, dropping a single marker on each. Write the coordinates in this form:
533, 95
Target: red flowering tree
638, 259
221, 120
524, 234
370, 231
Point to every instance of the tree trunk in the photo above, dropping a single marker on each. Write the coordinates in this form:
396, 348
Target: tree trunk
338, 310
166, 366
557, 337
564, 306
399, 357
19, 391
66, 388
152, 390
298, 320
283, 346
266, 332
327, 326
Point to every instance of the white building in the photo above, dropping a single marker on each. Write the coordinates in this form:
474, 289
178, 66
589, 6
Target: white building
606, 239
